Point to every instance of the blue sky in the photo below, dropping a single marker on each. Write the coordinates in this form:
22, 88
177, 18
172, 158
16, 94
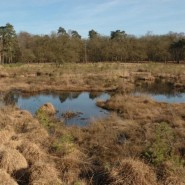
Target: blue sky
133, 16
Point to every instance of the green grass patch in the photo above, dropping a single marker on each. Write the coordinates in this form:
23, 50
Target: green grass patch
162, 148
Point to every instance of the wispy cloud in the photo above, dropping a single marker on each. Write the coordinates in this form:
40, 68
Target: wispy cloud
135, 16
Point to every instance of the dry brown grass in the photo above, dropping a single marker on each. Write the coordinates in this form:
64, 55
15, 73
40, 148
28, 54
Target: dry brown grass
13, 144
144, 116
83, 77
145, 113
32, 141
48, 108
105, 142
32, 152
6, 117
11, 160
14, 119
6, 179
131, 107
5, 136
22, 121
21, 125
111, 139
144, 109
74, 165
168, 174
44, 174
70, 159
173, 181
132, 172
37, 135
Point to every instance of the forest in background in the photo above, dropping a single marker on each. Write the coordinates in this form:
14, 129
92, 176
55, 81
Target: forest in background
64, 46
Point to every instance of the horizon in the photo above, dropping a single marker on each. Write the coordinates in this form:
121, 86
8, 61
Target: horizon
135, 18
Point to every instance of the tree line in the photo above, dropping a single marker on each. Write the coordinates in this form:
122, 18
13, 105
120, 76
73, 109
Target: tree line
68, 46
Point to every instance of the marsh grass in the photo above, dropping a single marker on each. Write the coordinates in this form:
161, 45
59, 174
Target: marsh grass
63, 145
141, 143
129, 171
108, 151
162, 149
6, 178
44, 119
89, 76
11, 160
154, 134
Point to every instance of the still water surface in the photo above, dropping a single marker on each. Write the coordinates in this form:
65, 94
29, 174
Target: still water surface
160, 92
82, 103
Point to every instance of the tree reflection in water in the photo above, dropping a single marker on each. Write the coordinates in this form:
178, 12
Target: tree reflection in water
94, 95
11, 98
68, 95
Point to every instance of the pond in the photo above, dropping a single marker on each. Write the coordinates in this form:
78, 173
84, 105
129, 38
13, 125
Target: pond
161, 92
79, 108
81, 104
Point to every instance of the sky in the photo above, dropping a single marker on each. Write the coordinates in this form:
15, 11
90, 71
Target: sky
136, 17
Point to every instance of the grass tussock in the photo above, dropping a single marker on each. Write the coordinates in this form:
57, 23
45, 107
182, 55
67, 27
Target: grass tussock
154, 132
32, 152
48, 108
6, 179
173, 180
11, 160
45, 174
70, 159
6, 118
168, 174
13, 144
38, 135
144, 109
5, 136
74, 165
131, 172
